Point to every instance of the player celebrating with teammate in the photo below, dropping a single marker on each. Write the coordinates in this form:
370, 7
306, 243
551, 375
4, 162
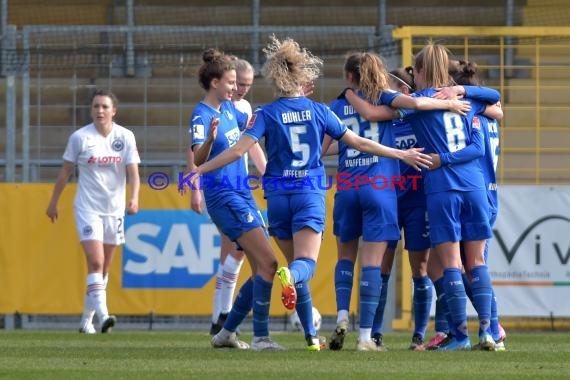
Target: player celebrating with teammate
231, 258
294, 127
216, 126
456, 200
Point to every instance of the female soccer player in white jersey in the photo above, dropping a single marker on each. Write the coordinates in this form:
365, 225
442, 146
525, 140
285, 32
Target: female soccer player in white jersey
216, 125
106, 155
369, 209
294, 127
456, 200
231, 259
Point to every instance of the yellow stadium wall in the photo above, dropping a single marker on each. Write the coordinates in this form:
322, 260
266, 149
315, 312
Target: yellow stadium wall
42, 266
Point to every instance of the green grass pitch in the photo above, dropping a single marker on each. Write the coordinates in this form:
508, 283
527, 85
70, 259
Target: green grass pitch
188, 355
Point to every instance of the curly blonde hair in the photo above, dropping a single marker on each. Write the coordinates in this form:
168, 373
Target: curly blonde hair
288, 66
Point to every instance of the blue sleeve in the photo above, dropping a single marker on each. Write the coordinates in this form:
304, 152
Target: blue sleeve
256, 126
483, 94
199, 130
474, 150
335, 128
388, 96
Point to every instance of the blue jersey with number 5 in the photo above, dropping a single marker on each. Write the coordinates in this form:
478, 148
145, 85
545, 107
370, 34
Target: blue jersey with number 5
294, 129
441, 132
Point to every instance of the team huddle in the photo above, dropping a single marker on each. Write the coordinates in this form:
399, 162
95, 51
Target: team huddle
432, 120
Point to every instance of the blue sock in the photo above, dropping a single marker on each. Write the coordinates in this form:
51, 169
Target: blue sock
494, 318
468, 290
456, 301
302, 269
305, 308
482, 295
441, 309
378, 323
343, 279
241, 307
494, 308
370, 283
261, 302
422, 304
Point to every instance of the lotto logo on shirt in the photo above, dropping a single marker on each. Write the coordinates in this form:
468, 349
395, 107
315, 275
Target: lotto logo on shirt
104, 160
169, 249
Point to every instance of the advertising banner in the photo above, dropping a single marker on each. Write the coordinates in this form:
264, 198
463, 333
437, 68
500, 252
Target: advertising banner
167, 266
530, 251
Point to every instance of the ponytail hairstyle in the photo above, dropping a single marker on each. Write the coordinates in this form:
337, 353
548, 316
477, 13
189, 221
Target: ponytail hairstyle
215, 64
373, 77
433, 60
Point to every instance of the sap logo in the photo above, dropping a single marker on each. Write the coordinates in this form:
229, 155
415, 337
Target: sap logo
563, 257
233, 136
406, 142
169, 249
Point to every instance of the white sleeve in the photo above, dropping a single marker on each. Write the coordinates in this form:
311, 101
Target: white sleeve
73, 148
132, 153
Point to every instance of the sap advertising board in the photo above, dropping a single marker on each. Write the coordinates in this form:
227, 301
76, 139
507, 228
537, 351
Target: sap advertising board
169, 249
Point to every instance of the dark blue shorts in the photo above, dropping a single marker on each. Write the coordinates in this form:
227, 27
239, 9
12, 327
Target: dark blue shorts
366, 212
289, 213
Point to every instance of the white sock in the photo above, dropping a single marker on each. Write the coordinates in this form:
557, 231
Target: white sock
217, 294
230, 275
98, 295
342, 316
365, 334
225, 333
88, 308
88, 312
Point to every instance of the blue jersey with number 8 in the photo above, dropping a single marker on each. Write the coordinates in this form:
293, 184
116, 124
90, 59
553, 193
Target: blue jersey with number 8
442, 132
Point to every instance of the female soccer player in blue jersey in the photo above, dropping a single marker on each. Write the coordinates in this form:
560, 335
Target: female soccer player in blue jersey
456, 200
465, 73
294, 127
231, 258
368, 207
215, 127
412, 218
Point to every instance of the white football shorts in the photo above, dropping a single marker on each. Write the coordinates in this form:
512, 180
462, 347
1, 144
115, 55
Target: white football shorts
106, 228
